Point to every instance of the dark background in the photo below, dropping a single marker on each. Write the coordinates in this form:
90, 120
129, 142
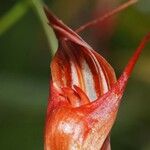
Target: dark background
24, 71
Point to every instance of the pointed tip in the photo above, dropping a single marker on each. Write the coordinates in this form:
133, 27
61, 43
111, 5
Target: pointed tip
59, 27
106, 16
53, 20
123, 79
129, 68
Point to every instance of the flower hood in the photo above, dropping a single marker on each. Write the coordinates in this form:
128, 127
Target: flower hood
84, 94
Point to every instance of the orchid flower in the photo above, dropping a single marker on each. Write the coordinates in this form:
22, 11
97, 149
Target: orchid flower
84, 93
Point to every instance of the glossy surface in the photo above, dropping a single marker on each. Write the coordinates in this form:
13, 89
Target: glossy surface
85, 96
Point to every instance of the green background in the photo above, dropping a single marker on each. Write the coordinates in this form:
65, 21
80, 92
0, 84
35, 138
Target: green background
25, 73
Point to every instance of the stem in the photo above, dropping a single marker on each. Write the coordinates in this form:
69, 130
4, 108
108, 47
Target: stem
19, 10
106, 16
51, 38
13, 15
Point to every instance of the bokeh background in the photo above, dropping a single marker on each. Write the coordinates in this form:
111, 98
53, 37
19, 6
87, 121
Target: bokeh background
25, 73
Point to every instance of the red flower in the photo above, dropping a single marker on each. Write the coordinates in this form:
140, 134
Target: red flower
85, 95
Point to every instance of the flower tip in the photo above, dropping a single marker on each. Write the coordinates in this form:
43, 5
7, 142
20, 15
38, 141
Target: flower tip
60, 29
50, 16
147, 37
134, 58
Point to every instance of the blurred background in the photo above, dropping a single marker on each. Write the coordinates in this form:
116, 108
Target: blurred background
25, 56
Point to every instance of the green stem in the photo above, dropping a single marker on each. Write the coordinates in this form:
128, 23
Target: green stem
19, 10
52, 41
13, 15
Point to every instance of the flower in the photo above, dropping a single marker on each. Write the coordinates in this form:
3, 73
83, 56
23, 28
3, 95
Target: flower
84, 94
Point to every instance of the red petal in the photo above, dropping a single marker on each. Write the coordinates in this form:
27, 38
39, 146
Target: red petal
76, 63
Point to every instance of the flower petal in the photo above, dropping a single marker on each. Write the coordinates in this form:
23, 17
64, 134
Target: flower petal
103, 111
76, 63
